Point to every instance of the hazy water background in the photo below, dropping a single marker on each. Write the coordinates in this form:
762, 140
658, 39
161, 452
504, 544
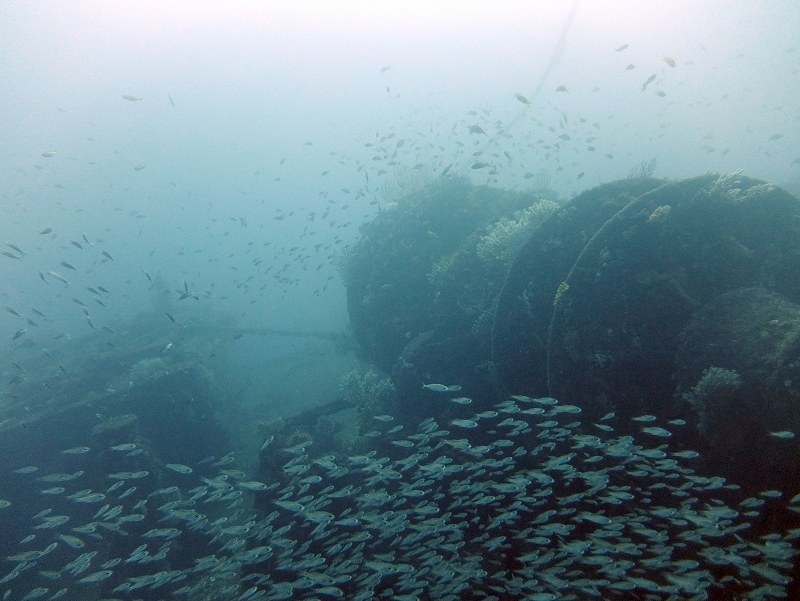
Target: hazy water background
257, 136
254, 121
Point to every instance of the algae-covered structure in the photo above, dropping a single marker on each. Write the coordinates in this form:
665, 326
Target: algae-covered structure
423, 279
608, 301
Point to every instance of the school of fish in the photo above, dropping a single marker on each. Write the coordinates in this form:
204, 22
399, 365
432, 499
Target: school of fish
518, 501
522, 500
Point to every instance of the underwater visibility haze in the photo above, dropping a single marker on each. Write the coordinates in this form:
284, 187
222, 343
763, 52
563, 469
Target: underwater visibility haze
400, 300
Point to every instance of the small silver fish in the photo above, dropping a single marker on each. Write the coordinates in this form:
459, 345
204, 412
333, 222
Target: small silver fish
464, 423
657, 431
179, 468
254, 486
89, 498
96, 577
59, 277
462, 400
442, 387
125, 446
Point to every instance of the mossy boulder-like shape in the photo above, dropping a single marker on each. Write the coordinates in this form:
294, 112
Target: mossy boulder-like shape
616, 323
525, 304
737, 372
407, 275
641, 296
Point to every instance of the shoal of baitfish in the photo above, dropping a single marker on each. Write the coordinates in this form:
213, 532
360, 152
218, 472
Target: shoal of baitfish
519, 501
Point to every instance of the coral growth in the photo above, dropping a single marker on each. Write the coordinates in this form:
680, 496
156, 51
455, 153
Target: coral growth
735, 188
368, 392
506, 236
147, 370
711, 396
